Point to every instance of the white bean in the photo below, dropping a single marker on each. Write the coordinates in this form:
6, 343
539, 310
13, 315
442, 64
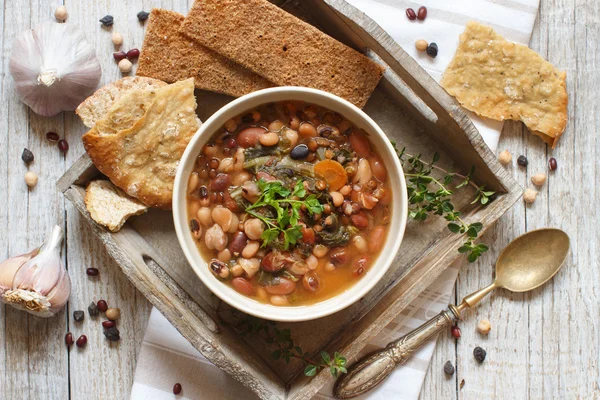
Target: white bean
312, 262
226, 165
238, 160
251, 249
279, 300
360, 244
204, 216
253, 228
337, 198
237, 270
363, 173
240, 178
320, 251
215, 238
224, 255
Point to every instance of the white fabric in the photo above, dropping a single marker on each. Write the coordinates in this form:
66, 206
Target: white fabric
166, 357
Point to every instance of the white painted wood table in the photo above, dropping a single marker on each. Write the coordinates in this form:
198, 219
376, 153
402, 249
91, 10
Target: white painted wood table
543, 344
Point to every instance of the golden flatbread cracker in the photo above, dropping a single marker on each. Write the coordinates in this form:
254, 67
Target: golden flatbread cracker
502, 80
142, 160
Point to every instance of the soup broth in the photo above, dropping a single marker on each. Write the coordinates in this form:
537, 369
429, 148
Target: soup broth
289, 204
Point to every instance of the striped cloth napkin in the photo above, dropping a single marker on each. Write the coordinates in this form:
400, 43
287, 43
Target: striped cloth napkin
166, 357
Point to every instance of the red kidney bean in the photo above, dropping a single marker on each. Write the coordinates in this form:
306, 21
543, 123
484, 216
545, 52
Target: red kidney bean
81, 341
52, 136
102, 306
410, 13
552, 164
360, 221
177, 388
229, 202
284, 287
455, 331
422, 13
308, 235
92, 271
63, 145
272, 262
249, 137
238, 242
377, 168
360, 144
242, 286
108, 324
376, 239
133, 53
220, 183
120, 55
338, 256
69, 339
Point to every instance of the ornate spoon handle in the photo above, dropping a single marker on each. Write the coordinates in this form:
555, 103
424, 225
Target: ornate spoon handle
370, 371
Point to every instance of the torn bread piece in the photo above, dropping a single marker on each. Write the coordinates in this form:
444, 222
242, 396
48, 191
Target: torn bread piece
95, 107
282, 48
170, 56
142, 160
502, 80
109, 206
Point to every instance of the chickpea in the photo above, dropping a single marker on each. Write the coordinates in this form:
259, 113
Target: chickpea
125, 66
253, 228
337, 198
269, 139
240, 178
320, 251
224, 255
204, 215
251, 249
279, 300
31, 179
505, 157
307, 129
484, 327
529, 196
226, 165
538, 179
117, 39
275, 126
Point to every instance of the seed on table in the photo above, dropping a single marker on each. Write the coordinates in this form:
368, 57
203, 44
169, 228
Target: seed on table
455, 330
505, 157
177, 388
107, 20
61, 13
102, 306
81, 341
479, 354
52, 136
484, 327
552, 165
142, 16
538, 179
27, 156
410, 13
93, 310
113, 314
529, 195
421, 45
78, 316
108, 324
119, 55
31, 179
522, 161
69, 339
112, 334
432, 50
117, 39
449, 368
92, 271
422, 13
133, 54
125, 66
299, 152
63, 145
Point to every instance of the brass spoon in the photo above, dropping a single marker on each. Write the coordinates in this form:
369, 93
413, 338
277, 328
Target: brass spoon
526, 263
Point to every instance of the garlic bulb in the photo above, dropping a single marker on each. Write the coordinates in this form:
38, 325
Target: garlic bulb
37, 282
54, 68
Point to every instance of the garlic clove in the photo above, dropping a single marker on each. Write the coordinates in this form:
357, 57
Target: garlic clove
9, 268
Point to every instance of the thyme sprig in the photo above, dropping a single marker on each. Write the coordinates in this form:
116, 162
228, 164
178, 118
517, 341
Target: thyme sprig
286, 349
429, 195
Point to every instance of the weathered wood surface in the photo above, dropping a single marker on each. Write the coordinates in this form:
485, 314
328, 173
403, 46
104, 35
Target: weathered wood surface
524, 358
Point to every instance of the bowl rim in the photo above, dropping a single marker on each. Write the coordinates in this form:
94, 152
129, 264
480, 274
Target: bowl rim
243, 303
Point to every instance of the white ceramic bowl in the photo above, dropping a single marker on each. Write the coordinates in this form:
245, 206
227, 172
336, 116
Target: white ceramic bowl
384, 150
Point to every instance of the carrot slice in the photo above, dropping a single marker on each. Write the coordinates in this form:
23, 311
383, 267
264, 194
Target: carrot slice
333, 172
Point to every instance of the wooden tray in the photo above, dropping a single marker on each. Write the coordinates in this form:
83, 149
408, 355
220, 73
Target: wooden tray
415, 112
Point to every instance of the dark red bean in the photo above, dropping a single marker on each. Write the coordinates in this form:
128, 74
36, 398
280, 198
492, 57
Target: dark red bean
177, 388
81, 341
120, 55
308, 235
69, 339
272, 262
360, 266
214, 163
338, 256
242, 286
359, 220
92, 271
108, 324
102, 306
220, 183
229, 202
133, 53
238, 242
52, 136
311, 281
63, 145
455, 331
231, 143
410, 13
249, 137
422, 13
552, 164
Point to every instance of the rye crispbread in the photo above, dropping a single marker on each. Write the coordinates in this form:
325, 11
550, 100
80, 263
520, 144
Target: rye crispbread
109, 206
280, 47
170, 56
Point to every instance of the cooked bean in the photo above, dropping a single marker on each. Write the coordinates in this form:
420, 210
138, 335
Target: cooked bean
292, 136
273, 262
339, 256
229, 202
363, 173
238, 242
275, 126
312, 262
320, 250
367, 200
220, 183
346, 190
224, 217
240, 178
237, 270
285, 286
254, 228
193, 182
337, 198
307, 129
251, 249
249, 137
230, 125
238, 160
378, 168
359, 243
250, 266
329, 267
269, 139
215, 238
376, 239
279, 300
226, 165
294, 122
224, 255
261, 293
250, 191
308, 235
360, 144
209, 150
311, 282
360, 221
219, 268
243, 286
360, 266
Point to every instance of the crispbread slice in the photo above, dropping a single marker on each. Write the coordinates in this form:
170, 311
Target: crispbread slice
171, 56
143, 159
502, 80
96, 106
280, 47
109, 206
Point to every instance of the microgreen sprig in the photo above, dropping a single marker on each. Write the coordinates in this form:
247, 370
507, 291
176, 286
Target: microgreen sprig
287, 205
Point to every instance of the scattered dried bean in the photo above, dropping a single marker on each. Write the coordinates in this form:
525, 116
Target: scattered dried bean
449, 368
422, 13
133, 54
113, 314
27, 156
410, 13
92, 271
107, 20
112, 334
177, 388
120, 55
93, 310
108, 324
78, 316
142, 16
432, 50
31, 179
421, 45
455, 330
505, 157
69, 339
81, 341
522, 161
63, 145
479, 354
52, 136
552, 165
102, 306
484, 327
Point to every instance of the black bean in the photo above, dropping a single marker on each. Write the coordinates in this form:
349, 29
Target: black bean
142, 16
299, 152
107, 20
78, 316
449, 368
410, 13
27, 156
203, 192
479, 354
194, 225
522, 161
552, 164
112, 334
93, 310
432, 50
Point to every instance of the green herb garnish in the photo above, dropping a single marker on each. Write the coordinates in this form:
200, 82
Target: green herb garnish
287, 204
